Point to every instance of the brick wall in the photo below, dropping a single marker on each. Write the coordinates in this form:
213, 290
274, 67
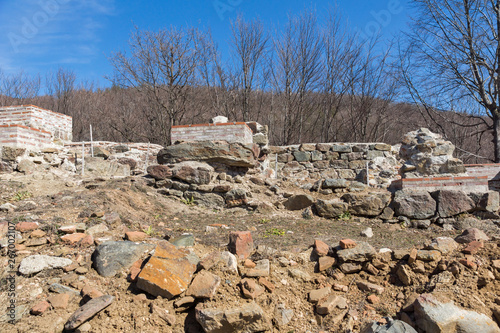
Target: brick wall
31, 121
491, 171
230, 132
430, 184
23, 136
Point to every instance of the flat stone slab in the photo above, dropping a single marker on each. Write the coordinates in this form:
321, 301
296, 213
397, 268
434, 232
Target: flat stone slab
37, 263
249, 318
87, 311
168, 272
360, 253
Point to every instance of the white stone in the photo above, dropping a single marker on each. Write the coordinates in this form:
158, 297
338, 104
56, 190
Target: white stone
37, 263
368, 232
220, 120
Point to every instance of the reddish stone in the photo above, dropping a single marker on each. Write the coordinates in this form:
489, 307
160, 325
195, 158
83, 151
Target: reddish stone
240, 244
38, 234
91, 292
40, 308
473, 247
71, 267
347, 244
59, 301
468, 263
413, 256
321, 248
204, 285
251, 289
249, 263
134, 272
325, 262
373, 299
136, 236
210, 260
26, 226
73, 239
267, 284
159, 172
87, 241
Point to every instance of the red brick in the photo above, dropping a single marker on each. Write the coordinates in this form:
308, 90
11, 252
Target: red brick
26, 226
321, 248
473, 247
241, 244
40, 308
347, 243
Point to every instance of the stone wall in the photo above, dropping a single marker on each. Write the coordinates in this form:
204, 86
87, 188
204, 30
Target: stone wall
27, 126
230, 132
350, 161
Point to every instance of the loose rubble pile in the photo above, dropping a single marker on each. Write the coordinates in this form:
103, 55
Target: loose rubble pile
90, 282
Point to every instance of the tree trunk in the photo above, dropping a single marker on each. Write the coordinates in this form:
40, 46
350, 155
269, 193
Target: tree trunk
496, 138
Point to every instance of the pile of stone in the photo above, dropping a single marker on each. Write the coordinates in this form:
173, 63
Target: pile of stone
174, 271
110, 160
426, 153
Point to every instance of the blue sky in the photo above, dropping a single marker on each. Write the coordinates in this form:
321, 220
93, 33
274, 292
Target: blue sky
42, 35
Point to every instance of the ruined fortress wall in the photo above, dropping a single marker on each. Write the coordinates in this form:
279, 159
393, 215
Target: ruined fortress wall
31, 121
230, 132
350, 161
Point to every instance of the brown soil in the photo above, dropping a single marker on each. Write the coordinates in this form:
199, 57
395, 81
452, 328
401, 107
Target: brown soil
140, 206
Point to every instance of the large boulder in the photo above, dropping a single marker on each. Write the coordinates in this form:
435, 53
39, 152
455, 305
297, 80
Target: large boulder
231, 154
330, 209
391, 326
414, 204
367, 204
451, 203
193, 172
159, 172
432, 316
246, 319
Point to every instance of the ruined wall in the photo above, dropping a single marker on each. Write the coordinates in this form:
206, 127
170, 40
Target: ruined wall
348, 161
27, 126
230, 132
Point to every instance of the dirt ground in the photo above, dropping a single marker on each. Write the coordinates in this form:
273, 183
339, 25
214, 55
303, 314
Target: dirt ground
59, 202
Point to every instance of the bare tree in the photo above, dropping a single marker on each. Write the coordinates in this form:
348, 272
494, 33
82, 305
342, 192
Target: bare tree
452, 61
296, 69
19, 88
249, 43
60, 86
162, 65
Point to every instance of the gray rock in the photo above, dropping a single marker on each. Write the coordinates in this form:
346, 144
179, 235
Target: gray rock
110, 258
193, 172
368, 232
367, 204
5, 167
37, 263
335, 183
299, 202
98, 167
414, 204
231, 154
60, 289
451, 203
246, 319
432, 316
360, 253
236, 197
282, 315
302, 156
183, 240
210, 200
330, 208
392, 326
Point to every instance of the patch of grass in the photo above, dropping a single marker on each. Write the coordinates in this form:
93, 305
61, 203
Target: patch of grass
274, 232
149, 230
21, 195
189, 201
345, 216
264, 221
